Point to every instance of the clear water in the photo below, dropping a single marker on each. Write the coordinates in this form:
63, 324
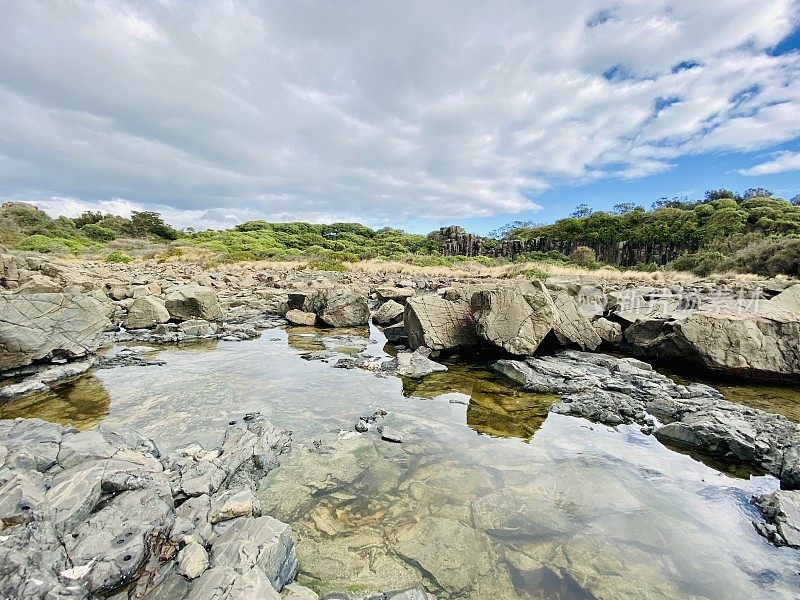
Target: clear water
488, 496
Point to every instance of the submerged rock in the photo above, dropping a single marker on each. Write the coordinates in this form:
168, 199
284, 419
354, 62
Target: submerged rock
781, 510
415, 364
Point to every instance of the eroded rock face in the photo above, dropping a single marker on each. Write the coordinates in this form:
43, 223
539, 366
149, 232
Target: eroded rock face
35, 327
145, 313
86, 513
193, 302
625, 390
438, 324
571, 326
514, 318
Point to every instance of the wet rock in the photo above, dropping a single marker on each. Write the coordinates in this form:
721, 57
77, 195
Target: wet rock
395, 333
438, 324
389, 313
514, 319
416, 364
192, 561
193, 302
344, 308
197, 328
295, 591
145, 313
781, 510
34, 327
299, 317
390, 435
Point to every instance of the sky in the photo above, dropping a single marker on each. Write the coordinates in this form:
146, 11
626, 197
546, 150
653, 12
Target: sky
411, 114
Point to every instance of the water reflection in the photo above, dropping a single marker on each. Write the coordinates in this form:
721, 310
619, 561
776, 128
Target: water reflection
82, 402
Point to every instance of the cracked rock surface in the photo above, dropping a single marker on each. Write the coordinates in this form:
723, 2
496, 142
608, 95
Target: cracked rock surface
100, 512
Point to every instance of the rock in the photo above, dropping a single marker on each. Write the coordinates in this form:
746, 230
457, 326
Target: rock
20, 497
438, 324
395, 333
514, 319
571, 326
145, 313
416, 364
761, 344
788, 299
225, 583
192, 561
609, 331
197, 328
344, 308
34, 327
396, 294
295, 591
390, 435
232, 504
193, 302
305, 301
299, 317
389, 313
781, 510
415, 593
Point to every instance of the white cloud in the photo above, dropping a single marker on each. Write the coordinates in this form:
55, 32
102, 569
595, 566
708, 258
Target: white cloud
780, 163
379, 112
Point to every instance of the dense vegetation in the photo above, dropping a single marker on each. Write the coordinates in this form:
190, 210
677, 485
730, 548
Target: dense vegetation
752, 232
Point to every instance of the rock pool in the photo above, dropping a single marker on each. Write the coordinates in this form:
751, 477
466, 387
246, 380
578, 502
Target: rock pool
488, 496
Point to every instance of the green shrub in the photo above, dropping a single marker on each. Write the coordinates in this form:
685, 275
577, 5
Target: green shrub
701, 263
583, 256
326, 264
118, 257
98, 233
769, 257
44, 244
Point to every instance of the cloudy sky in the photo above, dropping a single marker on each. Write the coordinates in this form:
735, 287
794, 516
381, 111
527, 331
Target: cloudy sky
410, 114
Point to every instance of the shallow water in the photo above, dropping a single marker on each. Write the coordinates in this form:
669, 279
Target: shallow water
488, 496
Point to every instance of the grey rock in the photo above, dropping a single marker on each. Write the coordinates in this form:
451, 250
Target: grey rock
193, 302
781, 510
438, 324
197, 328
396, 294
295, 591
232, 504
145, 313
571, 326
395, 333
192, 560
416, 364
609, 331
390, 435
34, 327
389, 313
299, 317
344, 308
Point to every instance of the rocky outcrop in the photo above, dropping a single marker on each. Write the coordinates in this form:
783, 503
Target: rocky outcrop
514, 318
85, 514
624, 390
36, 327
145, 313
438, 324
571, 326
193, 302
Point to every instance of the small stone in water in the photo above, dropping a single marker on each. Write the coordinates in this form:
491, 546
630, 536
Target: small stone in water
390, 435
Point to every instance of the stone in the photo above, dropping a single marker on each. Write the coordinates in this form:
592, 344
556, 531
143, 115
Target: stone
35, 327
571, 326
21, 497
198, 328
193, 302
781, 510
396, 294
416, 364
438, 324
395, 333
192, 560
295, 591
145, 313
344, 308
74, 494
788, 299
389, 313
299, 317
232, 504
390, 435
609, 331
514, 319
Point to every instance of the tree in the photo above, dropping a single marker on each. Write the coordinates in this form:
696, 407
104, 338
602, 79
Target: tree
757, 193
796, 200
624, 208
581, 211
712, 195
145, 222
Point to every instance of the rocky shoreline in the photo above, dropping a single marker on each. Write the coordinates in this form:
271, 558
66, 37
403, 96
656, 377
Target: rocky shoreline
191, 513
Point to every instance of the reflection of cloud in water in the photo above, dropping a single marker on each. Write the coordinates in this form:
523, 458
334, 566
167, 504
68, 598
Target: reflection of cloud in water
82, 403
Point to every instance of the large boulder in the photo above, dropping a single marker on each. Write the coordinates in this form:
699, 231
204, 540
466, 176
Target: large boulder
145, 313
571, 326
789, 300
438, 324
42, 326
193, 302
758, 344
514, 318
299, 317
344, 308
389, 313
398, 294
